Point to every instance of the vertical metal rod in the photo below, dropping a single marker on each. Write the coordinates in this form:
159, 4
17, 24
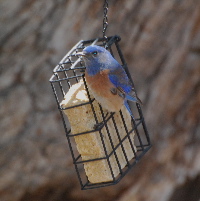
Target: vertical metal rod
110, 139
138, 135
131, 143
119, 138
60, 85
143, 124
90, 100
66, 131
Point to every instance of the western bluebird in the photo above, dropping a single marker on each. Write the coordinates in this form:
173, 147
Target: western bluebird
107, 79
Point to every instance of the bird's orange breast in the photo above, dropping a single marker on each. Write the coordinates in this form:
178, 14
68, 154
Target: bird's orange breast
100, 87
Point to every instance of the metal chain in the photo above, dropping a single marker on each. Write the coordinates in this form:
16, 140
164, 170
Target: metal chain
105, 20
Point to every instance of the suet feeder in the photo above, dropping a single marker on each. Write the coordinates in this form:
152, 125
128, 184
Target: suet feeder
104, 146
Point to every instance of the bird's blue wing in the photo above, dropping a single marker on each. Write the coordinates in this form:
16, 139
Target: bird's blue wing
120, 79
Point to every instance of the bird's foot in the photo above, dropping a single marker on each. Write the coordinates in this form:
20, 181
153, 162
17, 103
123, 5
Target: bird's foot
98, 126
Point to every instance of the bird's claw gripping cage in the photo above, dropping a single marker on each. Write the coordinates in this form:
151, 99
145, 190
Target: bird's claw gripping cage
70, 71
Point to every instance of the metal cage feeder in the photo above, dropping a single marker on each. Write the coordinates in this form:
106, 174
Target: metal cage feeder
69, 72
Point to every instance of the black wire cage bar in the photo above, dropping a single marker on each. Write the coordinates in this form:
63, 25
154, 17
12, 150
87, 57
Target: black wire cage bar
69, 72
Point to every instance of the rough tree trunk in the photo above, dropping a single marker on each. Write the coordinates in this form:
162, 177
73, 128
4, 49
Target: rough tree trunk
161, 43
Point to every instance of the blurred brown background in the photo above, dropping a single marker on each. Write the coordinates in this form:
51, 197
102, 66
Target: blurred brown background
161, 44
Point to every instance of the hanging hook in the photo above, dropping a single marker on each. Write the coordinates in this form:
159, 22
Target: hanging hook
105, 21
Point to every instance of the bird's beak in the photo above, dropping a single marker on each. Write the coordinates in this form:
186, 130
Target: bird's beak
80, 54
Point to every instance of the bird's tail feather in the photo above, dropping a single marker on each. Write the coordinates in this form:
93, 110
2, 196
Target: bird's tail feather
134, 99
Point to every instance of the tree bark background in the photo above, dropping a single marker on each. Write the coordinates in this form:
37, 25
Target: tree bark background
161, 44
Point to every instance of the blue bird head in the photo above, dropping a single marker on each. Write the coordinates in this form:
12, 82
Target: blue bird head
96, 59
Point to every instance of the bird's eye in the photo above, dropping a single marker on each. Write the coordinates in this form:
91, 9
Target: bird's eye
94, 53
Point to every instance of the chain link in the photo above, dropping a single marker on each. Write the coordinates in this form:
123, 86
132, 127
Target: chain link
105, 20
